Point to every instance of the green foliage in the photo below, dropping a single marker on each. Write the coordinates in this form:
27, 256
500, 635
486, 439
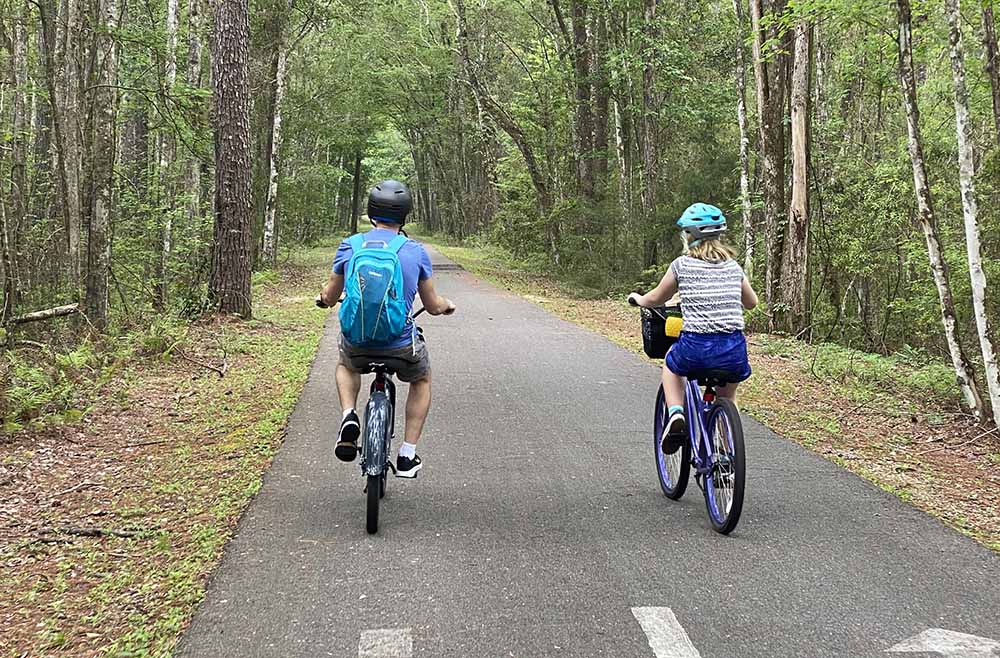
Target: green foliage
911, 373
52, 387
53, 390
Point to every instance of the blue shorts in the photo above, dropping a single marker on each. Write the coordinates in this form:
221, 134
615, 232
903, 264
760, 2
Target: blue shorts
699, 352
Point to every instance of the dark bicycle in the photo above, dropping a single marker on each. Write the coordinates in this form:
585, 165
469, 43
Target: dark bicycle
378, 433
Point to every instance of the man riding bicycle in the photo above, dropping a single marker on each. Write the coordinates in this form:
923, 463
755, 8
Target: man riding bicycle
402, 349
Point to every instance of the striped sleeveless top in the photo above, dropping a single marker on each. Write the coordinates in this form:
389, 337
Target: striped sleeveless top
711, 295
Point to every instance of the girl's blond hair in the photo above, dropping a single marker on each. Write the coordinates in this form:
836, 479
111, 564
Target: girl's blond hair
713, 250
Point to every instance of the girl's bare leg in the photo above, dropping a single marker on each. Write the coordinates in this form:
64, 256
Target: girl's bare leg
673, 388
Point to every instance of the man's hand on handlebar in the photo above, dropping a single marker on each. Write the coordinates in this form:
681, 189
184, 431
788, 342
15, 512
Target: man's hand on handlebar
320, 303
449, 307
635, 299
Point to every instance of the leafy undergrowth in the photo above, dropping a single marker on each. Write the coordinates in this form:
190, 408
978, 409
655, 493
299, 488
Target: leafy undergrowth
896, 421
109, 526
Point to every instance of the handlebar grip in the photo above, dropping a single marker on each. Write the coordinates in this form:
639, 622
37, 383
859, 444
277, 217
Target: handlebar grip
632, 302
320, 303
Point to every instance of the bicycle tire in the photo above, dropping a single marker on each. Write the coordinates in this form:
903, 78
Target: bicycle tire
673, 471
724, 486
373, 490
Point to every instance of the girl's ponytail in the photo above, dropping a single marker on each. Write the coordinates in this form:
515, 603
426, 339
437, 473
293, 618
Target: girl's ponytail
712, 250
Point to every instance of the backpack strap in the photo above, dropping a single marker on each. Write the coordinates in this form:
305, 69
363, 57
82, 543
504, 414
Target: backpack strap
357, 243
397, 243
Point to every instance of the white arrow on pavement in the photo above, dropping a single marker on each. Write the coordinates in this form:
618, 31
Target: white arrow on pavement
948, 643
386, 643
666, 636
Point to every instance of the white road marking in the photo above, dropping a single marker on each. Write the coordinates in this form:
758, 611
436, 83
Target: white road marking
948, 643
386, 643
666, 636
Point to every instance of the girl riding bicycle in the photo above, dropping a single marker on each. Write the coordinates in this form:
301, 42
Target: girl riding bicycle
714, 291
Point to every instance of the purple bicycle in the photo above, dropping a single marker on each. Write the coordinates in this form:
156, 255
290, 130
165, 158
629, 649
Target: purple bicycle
715, 433
715, 449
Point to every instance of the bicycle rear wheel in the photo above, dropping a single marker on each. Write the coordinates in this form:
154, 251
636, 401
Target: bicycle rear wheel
374, 491
672, 470
725, 483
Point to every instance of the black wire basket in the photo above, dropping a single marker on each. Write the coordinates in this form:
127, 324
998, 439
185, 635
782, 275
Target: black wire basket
661, 326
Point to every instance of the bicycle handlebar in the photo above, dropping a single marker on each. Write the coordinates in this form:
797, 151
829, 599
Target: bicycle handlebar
321, 304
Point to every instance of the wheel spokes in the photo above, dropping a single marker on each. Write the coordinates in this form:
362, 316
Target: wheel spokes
723, 474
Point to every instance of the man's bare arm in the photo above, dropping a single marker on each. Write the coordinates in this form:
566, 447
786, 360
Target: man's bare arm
433, 302
333, 289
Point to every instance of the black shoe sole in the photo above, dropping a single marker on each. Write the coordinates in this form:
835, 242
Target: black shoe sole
672, 445
410, 474
346, 452
674, 441
347, 444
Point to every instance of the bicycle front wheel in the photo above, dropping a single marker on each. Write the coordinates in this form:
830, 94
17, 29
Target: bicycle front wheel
673, 470
725, 482
374, 491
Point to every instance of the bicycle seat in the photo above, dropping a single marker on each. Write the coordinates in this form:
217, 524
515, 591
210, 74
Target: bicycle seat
713, 377
377, 367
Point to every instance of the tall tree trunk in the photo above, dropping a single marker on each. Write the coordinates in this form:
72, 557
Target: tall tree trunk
105, 143
9, 275
795, 260
167, 155
648, 128
746, 214
229, 281
194, 80
992, 62
967, 174
44, 158
341, 164
601, 93
356, 193
71, 136
13, 215
584, 118
271, 209
54, 29
17, 219
928, 222
623, 150
770, 78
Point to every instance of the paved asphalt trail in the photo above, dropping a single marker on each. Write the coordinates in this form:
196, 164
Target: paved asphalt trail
537, 525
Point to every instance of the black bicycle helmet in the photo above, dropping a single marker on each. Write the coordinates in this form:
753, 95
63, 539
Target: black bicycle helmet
389, 201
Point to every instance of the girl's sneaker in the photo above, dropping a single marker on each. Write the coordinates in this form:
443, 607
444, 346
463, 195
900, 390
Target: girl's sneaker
675, 433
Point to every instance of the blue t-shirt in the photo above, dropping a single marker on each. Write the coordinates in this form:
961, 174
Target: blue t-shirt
416, 268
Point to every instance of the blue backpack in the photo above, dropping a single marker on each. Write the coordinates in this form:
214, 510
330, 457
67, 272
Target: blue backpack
374, 311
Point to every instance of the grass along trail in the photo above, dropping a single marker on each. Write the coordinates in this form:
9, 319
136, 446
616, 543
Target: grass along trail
894, 420
110, 526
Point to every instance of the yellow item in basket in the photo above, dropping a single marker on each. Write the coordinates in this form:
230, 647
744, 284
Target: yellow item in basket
673, 326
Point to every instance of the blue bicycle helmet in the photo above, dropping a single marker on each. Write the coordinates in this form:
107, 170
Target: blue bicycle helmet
703, 221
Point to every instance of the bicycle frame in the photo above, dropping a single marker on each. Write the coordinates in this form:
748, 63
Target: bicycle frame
697, 404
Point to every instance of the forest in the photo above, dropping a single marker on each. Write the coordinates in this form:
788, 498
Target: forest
155, 155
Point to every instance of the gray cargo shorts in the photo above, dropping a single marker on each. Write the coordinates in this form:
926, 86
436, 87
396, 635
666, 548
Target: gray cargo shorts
410, 363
